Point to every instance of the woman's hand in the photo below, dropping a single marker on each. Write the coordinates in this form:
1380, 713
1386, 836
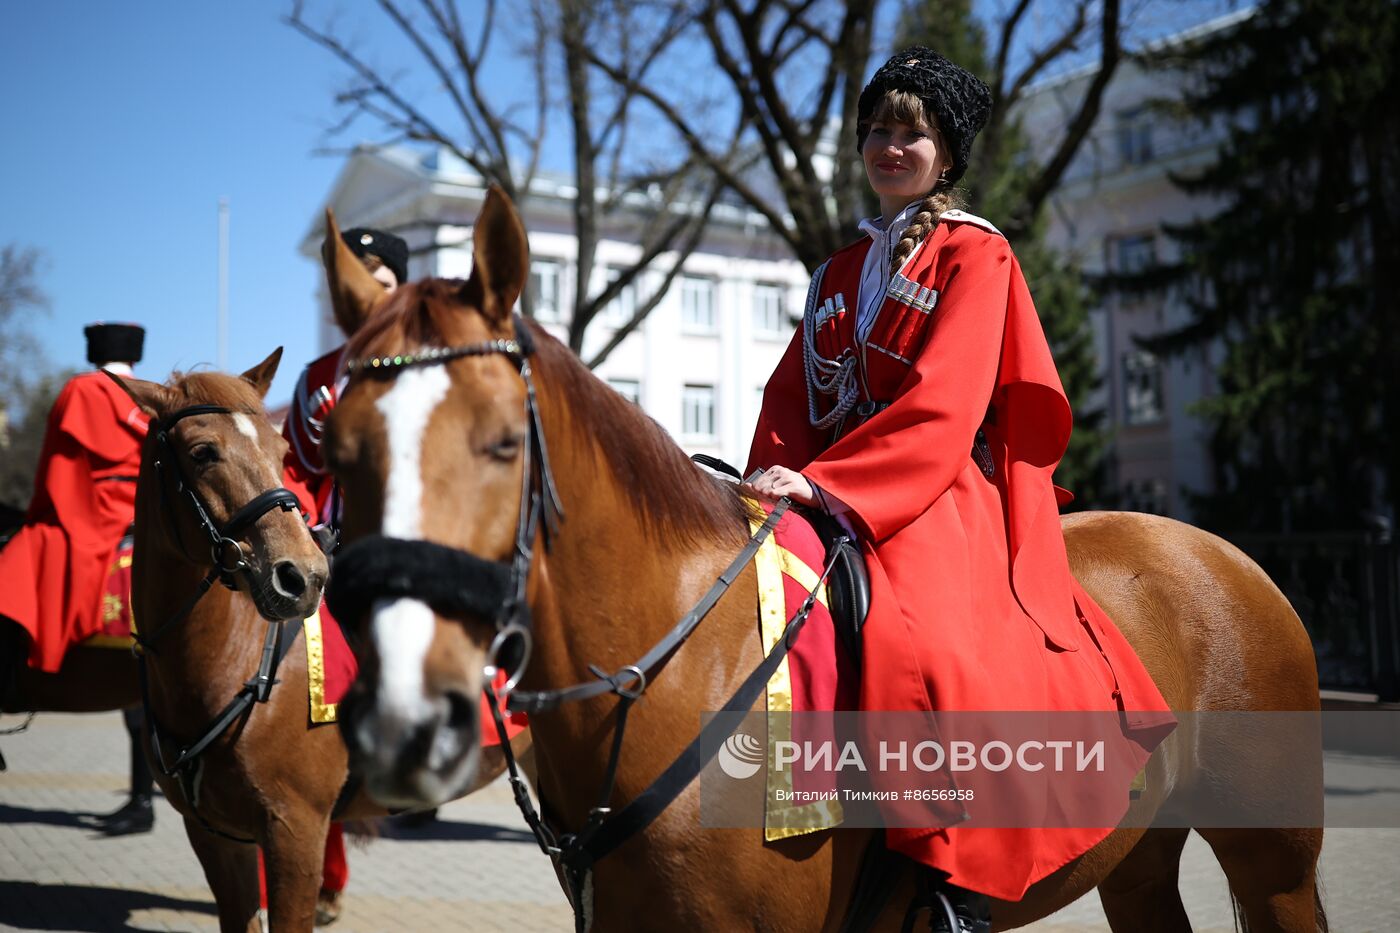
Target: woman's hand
778, 481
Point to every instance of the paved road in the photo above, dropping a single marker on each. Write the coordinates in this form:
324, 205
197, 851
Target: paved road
476, 869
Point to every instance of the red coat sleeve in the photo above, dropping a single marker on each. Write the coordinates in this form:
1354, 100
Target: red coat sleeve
785, 436
296, 476
890, 469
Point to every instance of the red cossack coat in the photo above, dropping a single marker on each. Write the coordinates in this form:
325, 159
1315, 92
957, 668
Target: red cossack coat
54, 571
973, 605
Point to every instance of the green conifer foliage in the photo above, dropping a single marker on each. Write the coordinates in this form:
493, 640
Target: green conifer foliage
1292, 284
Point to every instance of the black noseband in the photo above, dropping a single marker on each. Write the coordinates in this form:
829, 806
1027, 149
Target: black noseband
452, 581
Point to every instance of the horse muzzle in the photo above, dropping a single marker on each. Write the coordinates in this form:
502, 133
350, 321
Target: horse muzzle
289, 589
420, 757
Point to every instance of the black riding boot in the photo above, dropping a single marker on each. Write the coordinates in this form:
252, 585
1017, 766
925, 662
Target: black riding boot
137, 815
951, 909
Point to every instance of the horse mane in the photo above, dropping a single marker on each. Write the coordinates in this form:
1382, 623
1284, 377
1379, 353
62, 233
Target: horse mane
681, 502
680, 499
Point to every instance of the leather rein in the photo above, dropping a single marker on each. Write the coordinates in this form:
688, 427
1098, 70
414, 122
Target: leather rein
376, 567
228, 562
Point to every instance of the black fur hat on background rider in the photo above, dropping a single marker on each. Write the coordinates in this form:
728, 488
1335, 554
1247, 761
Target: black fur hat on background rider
389, 249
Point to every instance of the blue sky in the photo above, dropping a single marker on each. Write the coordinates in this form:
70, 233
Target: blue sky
124, 123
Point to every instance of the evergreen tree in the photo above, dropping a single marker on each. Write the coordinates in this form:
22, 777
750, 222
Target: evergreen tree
1292, 284
997, 184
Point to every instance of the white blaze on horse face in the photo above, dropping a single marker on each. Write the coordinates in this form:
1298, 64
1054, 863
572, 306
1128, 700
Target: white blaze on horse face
245, 426
403, 628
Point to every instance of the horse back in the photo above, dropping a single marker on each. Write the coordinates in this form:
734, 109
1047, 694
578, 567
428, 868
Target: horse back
1212, 629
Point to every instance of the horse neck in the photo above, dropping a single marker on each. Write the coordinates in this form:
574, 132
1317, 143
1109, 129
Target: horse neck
610, 588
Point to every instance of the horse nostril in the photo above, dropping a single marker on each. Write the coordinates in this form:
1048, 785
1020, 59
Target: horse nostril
461, 711
288, 579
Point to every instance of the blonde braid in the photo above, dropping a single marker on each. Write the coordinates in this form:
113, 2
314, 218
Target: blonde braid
925, 220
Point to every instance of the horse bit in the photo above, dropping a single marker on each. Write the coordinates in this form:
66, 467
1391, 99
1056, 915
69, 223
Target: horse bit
378, 567
228, 561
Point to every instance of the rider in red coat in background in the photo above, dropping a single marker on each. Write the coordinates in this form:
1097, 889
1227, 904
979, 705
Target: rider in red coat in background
55, 567
54, 572
919, 403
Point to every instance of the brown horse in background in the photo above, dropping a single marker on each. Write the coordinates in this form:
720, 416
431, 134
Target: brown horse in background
270, 777
92, 678
434, 451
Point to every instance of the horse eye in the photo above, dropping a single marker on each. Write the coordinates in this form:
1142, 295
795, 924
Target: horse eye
506, 449
203, 454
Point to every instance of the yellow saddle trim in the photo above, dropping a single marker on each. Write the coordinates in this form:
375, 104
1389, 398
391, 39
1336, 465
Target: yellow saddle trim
783, 820
321, 711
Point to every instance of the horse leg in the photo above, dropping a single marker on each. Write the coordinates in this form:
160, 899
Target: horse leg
231, 868
1273, 877
1141, 893
294, 852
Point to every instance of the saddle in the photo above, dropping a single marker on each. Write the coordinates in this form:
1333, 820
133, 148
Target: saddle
848, 586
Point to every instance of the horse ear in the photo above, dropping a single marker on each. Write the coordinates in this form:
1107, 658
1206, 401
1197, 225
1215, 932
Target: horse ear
261, 375
354, 292
500, 258
151, 397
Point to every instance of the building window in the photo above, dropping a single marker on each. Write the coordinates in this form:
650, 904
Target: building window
697, 305
698, 411
630, 389
621, 309
1135, 136
1130, 255
1142, 388
768, 316
544, 290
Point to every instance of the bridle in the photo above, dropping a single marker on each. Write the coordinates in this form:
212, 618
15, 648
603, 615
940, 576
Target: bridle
228, 561
226, 554
450, 580
454, 581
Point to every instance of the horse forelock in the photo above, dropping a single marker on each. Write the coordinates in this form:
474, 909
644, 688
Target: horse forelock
215, 388
419, 314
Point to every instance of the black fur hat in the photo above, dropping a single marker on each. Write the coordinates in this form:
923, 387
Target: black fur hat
114, 343
956, 96
391, 250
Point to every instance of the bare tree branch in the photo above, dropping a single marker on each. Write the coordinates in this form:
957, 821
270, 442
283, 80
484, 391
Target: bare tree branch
697, 229
691, 137
1066, 42
1109, 55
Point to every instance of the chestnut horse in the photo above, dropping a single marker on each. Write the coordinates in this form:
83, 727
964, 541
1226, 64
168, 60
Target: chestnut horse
267, 776
431, 440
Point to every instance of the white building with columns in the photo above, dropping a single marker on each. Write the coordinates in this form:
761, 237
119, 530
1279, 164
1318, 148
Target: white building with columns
699, 361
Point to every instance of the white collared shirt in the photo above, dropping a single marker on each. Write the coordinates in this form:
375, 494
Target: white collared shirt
875, 274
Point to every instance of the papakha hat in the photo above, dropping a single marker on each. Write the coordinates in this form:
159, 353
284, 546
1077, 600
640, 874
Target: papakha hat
114, 343
391, 250
957, 97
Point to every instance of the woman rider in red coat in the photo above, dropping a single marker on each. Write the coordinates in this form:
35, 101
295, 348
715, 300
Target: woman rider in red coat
919, 403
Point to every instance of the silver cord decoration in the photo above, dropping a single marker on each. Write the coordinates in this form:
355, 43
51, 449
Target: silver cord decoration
828, 377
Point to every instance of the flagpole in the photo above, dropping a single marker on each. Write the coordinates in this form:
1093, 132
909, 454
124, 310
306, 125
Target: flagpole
223, 283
